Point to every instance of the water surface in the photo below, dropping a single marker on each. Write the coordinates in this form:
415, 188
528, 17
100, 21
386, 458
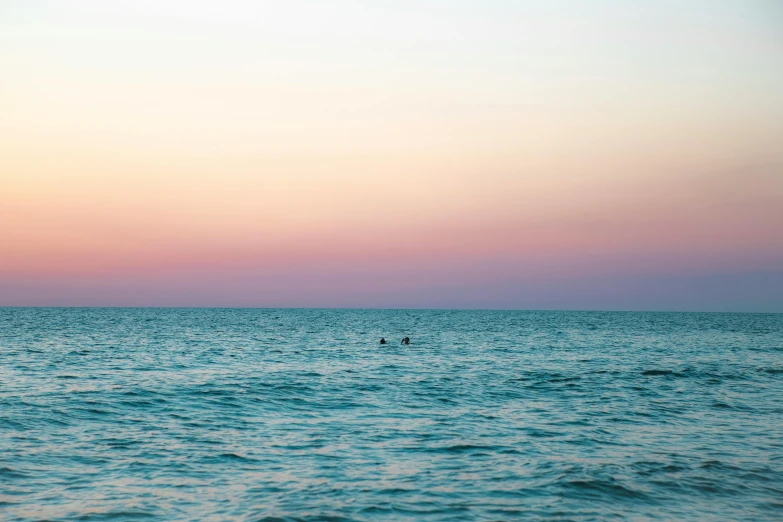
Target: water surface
223, 414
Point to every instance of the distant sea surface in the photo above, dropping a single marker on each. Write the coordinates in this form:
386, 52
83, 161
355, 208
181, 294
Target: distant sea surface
264, 414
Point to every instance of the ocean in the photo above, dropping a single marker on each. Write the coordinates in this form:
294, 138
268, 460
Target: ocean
294, 414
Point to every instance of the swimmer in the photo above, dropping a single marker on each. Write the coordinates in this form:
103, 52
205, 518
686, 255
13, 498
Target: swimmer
383, 341
406, 340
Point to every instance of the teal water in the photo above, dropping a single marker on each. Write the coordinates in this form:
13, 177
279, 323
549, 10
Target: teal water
222, 414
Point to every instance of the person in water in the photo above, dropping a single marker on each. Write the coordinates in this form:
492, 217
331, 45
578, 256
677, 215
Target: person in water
406, 340
383, 341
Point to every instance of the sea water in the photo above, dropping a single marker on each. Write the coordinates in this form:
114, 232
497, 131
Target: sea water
254, 414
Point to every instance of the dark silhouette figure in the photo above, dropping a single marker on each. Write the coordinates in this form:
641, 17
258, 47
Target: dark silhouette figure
406, 340
383, 341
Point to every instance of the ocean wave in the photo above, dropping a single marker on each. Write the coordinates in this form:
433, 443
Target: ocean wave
226, 414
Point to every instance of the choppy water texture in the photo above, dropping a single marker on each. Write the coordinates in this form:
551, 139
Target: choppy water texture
196, 414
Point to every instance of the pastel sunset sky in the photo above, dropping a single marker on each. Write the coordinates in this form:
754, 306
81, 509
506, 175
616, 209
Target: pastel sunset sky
607, 154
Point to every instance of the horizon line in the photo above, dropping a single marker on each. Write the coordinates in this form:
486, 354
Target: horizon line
390, 309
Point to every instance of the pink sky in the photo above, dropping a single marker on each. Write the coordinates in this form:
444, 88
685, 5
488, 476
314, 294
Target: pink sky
512, 157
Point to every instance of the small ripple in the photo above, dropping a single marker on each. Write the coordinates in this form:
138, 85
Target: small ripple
236, 457
119, 515
606, 489
12, 473
658, 372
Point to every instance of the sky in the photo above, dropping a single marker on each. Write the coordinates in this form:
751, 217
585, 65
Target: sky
609, 155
